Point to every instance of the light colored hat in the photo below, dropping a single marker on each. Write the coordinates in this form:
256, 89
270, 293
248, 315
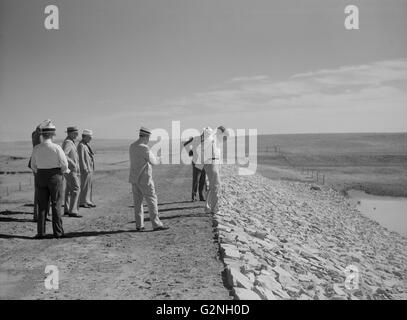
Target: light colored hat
206, 132
47, 126
144, 130
87, 132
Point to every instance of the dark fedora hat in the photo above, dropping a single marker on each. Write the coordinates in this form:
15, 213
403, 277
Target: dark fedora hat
72, 129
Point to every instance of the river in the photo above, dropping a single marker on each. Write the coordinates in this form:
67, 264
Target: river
390, 212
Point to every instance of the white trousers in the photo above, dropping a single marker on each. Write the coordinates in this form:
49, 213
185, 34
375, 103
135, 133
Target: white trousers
145, 191
86, 188
212, 171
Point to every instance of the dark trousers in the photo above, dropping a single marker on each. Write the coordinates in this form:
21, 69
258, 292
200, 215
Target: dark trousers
36, 200
49, 185
198, 175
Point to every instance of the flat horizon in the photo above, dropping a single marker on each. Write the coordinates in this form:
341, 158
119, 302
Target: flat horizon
263, 134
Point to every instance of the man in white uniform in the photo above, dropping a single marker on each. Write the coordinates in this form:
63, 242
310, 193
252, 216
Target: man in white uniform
206, 150
49, 163
141, 179
211, 165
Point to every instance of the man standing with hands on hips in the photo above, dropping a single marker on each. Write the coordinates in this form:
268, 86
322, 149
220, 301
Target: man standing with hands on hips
141, 179
87, 167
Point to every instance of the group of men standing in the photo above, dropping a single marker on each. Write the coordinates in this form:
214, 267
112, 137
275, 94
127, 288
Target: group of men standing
205, 152
62, 175
206, 159
73, 165
78, 182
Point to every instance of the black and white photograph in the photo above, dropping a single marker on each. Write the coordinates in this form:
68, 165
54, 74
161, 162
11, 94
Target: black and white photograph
203, 150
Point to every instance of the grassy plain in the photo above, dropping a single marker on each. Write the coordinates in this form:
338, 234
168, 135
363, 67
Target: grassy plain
372, 162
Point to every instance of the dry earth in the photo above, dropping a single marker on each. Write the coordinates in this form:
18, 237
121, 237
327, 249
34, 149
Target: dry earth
104, 258
279, 240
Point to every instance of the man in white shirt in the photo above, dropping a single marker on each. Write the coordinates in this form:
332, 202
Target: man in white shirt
49, 163
141, 179
198, 172
211, 165
206, 150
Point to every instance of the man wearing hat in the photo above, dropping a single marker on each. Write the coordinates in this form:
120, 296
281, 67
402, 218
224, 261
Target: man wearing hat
141, 179
36, 139
72, 187
213, 140
49, 163
207, 151
198, 172
87, 167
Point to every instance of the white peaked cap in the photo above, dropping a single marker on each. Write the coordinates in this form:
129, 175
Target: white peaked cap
87, 132
47, 126
145, 130
207, 131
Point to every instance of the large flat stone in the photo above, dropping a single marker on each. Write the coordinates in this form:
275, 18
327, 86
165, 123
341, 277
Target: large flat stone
230, 251
236, 279
264, 293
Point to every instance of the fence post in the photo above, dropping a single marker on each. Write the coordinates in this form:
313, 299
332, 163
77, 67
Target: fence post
323, 179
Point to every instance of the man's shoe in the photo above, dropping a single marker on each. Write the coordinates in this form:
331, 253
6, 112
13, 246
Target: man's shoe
140, 229
74, 215
202, 199
87, 206
160, 228
38, 237
92, 205
66, 213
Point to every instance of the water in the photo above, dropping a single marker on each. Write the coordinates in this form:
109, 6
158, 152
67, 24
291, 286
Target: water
390, 212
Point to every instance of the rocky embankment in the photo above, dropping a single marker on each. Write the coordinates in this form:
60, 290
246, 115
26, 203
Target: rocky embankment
285, 240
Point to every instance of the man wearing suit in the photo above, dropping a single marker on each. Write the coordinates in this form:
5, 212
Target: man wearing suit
141, 179
72, 187
87, 167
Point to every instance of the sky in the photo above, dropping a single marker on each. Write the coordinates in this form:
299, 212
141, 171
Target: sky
282, 66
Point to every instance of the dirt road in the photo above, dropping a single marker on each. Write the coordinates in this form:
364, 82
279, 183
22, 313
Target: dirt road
104, 258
